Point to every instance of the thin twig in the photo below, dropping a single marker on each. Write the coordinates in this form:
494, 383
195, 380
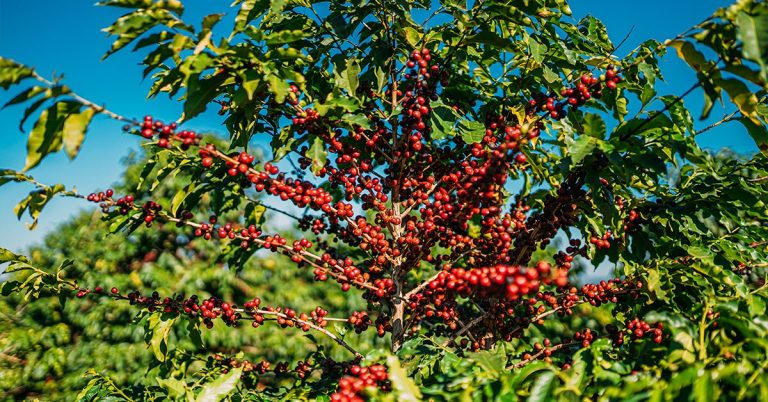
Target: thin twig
538, 354
86, 102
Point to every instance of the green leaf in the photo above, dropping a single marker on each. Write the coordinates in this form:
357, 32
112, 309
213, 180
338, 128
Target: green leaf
759, 133
583, 147
130, 26
337, 106
200, 92
176, 388
159, 328
12, 72
471, 131
249, 9
180, 196
681, 117
9, 256
348, 79
34, 203
491, 361
25, 95
318, 155
594, 126
402, 384
550, 76
703, 388
279, 87
254, 213
74, 130
756, 305
442, 120
193, 327
412, 36
47, 134
283, 37
90, 391
216, 390
537, 50
654, 283
381, 79
752, 30
251, 82
542, 388
356, 120
50, 93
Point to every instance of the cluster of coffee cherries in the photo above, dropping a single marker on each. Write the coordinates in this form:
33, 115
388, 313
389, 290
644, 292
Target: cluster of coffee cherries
586, 88
632, 220
302, 369
611, 77
165, 133
239, 165
101, 196
97, 290
357, 379
604, 242
251, 235
641, 328
610, 291
360, 320
563, 302
304, 118
419, 90
105, 201
713, 316
511, 281
316, 225
586, 337
149, 211
545, 349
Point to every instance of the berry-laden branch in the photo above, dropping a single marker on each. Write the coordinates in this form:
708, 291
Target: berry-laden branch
151, 211
213, 308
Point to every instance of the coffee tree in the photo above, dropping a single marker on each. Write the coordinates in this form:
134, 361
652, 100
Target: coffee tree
447, 165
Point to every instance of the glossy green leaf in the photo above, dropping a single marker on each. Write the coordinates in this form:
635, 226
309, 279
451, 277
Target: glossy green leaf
318, 155
442, 120
47, 134
471, 131
221, 387
159, 329
752, 30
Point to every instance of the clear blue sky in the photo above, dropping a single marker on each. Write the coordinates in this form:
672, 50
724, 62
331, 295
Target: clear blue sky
64, 37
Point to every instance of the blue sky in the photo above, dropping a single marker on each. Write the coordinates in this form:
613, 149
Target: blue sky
64, 38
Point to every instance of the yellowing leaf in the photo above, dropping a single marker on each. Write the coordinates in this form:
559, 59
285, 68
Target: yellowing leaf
160, 329
406, 389
318, 155
74, 130
689, 54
